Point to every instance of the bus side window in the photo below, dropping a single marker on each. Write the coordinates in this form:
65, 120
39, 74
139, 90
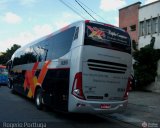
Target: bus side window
40, 51
43, 51
34, 54
60, 43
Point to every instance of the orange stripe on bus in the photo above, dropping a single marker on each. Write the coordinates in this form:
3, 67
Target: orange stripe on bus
35, 68
29, 75
31, 80
43, 72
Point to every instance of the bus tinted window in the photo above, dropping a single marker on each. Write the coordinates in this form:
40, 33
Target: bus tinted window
107, 37
50, 48
60, 43
24, 57
40, 51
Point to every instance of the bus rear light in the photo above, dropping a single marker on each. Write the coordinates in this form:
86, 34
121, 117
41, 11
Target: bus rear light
77, 90
125, 97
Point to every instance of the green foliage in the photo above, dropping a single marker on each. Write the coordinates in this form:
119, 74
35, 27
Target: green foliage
134, 45
145, 67
6, 56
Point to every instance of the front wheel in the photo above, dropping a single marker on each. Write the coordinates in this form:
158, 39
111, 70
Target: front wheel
38, 99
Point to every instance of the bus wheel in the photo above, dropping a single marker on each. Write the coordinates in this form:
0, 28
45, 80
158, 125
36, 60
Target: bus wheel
38, 99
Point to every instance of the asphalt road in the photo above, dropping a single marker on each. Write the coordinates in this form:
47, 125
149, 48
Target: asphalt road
18, 111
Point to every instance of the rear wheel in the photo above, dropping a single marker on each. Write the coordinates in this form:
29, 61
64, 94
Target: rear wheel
38, 99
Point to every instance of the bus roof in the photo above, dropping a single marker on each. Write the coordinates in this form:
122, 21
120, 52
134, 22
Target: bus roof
62, 29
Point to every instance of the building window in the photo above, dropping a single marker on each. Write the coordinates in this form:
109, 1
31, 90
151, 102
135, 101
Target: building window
125, 28
155, 25
133, 28
142, 28
148, 26
159, 24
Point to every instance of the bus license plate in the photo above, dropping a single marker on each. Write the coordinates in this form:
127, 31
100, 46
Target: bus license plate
105, 106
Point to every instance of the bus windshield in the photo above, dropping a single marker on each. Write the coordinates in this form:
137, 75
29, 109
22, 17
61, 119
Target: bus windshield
107, 37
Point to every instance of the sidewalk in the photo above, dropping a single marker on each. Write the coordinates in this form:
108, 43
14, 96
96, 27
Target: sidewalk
142, 107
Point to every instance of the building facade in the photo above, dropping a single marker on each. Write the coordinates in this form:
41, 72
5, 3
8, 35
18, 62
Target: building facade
146, 20
128, 20
149, 24
149, 27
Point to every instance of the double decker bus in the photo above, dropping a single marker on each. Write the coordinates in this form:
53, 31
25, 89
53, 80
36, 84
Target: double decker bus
82, 68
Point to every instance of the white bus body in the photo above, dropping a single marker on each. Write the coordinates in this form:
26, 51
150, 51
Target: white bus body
89, 74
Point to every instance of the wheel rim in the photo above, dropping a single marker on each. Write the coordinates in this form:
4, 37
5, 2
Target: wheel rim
38, 100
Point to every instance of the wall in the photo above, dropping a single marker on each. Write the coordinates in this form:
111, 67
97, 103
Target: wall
147, 12
129, 16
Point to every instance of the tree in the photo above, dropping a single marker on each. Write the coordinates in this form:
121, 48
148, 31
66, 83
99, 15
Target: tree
134, 45
6, 56
145, 67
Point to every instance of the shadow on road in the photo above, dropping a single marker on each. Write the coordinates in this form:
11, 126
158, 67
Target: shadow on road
79, 118
69, 117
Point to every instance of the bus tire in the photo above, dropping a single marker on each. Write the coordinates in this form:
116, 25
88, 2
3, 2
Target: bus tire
38, 99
